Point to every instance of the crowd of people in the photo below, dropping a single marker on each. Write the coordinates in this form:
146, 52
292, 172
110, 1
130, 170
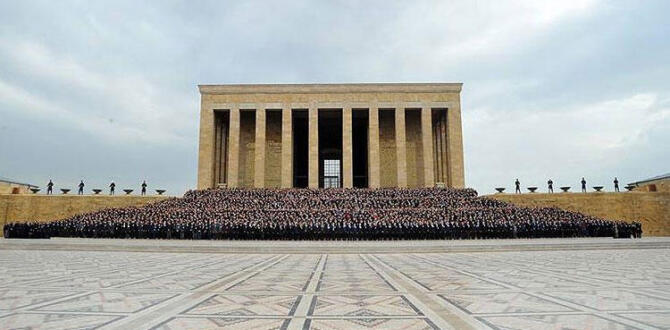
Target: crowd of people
341, 214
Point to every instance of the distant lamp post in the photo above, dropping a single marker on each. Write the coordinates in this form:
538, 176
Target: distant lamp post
500, 190
565, 189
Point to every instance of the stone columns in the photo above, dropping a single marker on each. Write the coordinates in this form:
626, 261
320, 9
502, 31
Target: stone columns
234, 148
347, 145
206, 147
373, 147
259, 150
401, 146
443, 149
286, 148
427, 147
455, 147
221, 150
313, 157
440, 175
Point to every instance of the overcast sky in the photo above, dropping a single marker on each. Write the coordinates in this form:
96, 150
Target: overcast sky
107, 90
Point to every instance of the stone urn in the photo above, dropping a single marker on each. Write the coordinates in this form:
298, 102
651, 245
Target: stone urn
127, 191
97, 191
160, 191
565, 189
34, 190
500, 190
598, 188
532, 189
65, 191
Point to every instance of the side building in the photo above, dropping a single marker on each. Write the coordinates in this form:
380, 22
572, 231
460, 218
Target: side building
659, 183
8, 186
330, 135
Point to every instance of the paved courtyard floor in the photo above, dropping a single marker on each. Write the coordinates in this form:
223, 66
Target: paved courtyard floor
622, 287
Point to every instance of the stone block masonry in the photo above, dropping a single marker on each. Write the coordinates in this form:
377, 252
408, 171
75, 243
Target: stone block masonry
250, 135
651, 209
18, 208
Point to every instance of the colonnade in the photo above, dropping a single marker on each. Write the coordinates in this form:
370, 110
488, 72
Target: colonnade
433, 146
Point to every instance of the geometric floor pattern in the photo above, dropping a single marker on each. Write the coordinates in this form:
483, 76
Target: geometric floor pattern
571, 289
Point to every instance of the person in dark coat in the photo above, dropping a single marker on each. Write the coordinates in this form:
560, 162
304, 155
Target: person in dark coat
517, 184
550, 186
616, 184
583, 185
81, 188
50, 187
111, 188
144, 187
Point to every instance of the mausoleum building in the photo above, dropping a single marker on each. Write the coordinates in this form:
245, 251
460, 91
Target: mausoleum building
330, 135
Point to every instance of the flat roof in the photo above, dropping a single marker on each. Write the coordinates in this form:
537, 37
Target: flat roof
331, 88
654, 178
6, 180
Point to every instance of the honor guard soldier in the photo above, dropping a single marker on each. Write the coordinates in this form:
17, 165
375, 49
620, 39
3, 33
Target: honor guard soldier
583, 185
111, 188
616, 184
81, 188
144, 187
50, 187
550, 186
518, 186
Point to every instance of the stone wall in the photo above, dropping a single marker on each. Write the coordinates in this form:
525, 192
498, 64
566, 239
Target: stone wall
414, 149
273, 149
44, 208
247, 148
387, 151
662, 185
651, 209
8, 188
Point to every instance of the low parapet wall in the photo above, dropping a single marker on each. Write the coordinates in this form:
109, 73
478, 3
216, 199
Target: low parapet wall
49, 207
652, 209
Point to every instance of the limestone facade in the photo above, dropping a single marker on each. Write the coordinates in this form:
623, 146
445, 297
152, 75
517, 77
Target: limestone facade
247, 134
652, 209
43, 208
12, 187
658, 184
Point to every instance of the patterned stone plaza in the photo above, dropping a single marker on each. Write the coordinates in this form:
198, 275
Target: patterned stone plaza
619, 286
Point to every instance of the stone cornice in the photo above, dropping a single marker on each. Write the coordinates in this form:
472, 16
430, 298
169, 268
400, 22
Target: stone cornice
331, 88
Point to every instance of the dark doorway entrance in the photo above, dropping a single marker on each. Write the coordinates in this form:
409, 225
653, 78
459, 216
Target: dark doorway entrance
300, 148
330, 148
359, 137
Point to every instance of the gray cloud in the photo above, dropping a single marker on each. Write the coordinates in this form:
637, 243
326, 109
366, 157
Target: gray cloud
107, 90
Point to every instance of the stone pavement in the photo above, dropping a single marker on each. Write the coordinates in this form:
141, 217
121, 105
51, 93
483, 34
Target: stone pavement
624, 287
